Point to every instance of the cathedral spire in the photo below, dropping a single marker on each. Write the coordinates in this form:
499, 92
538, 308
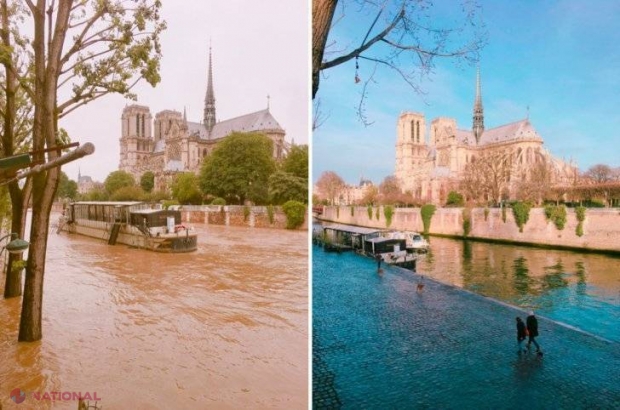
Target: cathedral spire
478, 126
209, 114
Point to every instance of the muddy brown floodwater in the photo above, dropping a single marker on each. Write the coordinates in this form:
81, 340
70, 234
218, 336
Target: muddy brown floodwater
225, 327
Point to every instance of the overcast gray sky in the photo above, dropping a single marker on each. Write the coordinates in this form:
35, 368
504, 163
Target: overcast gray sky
259, 48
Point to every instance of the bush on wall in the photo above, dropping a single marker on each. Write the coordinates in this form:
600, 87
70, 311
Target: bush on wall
466, 222
369, 210
388, 211
557, 214
427, 212
521, 212
580, 212
295, 214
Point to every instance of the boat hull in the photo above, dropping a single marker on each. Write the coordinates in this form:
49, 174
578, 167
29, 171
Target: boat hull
181, 242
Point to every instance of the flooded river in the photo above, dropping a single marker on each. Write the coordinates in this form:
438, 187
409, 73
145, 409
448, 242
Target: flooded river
225, 327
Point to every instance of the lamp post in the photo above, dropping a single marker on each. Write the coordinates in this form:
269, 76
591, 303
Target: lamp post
13, 284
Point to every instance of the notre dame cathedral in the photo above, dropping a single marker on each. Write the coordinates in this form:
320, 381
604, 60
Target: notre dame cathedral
430, 167
171, 144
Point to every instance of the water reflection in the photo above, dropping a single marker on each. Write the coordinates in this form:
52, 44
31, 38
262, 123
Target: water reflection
580, 289
222, 327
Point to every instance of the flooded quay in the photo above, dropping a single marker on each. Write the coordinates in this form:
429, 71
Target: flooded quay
223, 327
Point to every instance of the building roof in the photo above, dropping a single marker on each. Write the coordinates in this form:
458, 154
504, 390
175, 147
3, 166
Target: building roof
256, 121
522, 129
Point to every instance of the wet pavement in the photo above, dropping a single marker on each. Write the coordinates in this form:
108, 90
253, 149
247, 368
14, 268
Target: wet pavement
377, 343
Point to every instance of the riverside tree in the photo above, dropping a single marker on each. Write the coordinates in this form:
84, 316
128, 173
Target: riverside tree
90, 48
117, 180
16, 125
239, 169
186, 189
330, 184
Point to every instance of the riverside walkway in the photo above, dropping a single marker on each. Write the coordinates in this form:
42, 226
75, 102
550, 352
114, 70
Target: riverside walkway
378, 344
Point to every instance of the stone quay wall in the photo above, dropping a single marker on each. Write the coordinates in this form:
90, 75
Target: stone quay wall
229, 215
601, 227
235, 215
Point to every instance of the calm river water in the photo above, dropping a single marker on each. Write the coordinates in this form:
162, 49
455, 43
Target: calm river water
578, 289
223, 327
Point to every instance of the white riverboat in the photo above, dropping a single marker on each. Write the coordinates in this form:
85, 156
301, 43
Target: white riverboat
415, 242
135, 224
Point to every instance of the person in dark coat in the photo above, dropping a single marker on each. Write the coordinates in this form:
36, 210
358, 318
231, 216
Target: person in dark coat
379, 259
532, 329
520, 334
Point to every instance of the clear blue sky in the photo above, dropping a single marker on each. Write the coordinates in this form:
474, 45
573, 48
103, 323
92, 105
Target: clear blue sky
560, 58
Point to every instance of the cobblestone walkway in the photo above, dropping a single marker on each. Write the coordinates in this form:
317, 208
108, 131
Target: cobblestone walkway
378, 344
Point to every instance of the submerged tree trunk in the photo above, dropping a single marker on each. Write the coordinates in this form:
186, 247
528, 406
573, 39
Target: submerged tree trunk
44, 184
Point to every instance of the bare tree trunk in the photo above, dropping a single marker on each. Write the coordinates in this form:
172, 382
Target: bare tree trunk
322, 15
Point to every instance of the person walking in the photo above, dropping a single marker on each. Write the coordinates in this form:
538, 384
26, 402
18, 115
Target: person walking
521, 333
378, 258
532, 330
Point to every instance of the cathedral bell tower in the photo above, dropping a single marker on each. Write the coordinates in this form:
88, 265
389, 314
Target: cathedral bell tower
411, 148
478, 125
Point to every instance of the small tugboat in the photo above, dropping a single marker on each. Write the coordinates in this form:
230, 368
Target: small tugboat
131, 223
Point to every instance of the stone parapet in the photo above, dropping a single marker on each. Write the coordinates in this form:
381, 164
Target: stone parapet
601, 228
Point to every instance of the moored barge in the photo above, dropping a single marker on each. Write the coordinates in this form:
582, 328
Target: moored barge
136, 224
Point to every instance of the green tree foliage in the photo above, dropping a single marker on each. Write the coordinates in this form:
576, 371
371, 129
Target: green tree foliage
147, 181
128, 193
157, 196
296, 162
218, 201
117, 180
369, 210
455, 199
295, 214
239, 168
185, 189
97, 194
427, 212
285, 186
67, 188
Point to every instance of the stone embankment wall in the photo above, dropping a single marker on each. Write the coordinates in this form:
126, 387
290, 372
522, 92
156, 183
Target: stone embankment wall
230, 215
601, 228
